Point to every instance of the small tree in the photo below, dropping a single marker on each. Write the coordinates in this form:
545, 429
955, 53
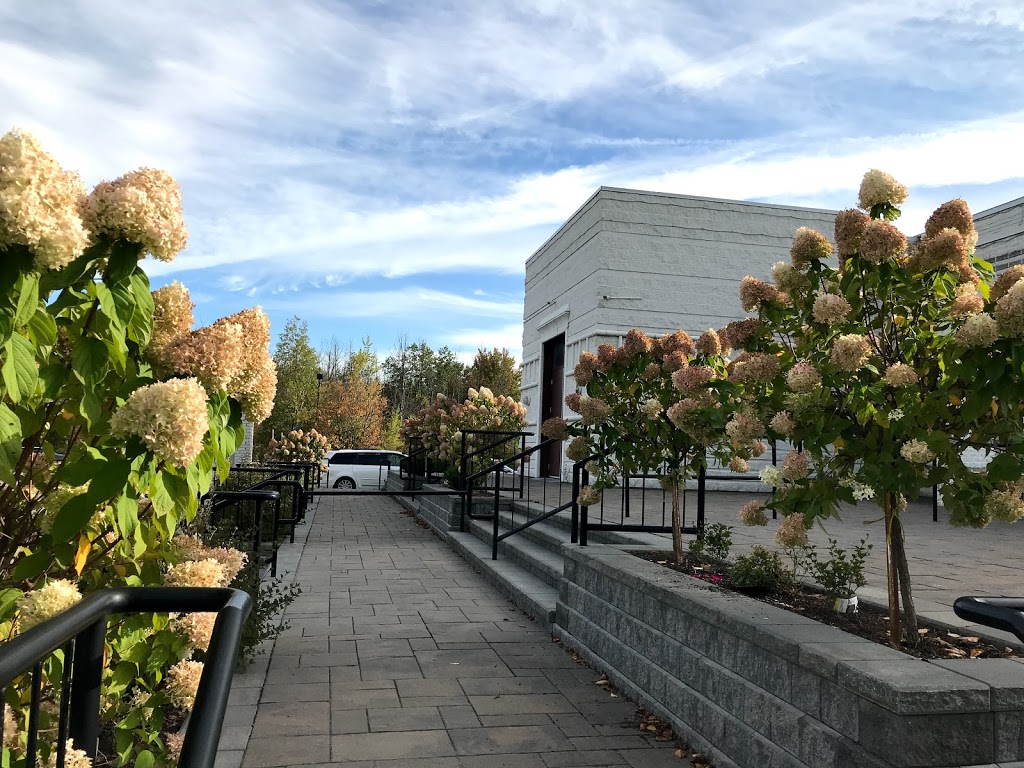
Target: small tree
297, 365
659, 405
891, 365
497, 370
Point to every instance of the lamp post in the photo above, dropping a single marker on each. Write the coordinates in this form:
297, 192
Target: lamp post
319, 381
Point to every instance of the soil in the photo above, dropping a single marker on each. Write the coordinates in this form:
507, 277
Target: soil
870, 622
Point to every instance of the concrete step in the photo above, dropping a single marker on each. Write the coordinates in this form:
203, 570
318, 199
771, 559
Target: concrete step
529, 593
534, 558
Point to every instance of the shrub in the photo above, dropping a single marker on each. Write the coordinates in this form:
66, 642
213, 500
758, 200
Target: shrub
298, 446
840, 574
762, 569
716, 542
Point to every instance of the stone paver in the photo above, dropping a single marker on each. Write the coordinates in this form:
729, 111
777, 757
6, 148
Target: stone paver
399, 654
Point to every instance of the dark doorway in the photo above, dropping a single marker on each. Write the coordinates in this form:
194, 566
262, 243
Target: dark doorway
553, 382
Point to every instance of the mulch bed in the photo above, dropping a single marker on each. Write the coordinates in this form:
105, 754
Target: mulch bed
870, 622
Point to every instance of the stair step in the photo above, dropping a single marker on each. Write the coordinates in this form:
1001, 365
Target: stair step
529, 593
529, 555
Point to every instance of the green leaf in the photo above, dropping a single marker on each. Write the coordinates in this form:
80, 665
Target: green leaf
90, 408
124, 259
54, 376
90, 360
163, 503
1003, 468
141, 326
10, 443
43, 328
73, 517
20, 372
32, 566
124, 675
28, 299
127, 510
109, 479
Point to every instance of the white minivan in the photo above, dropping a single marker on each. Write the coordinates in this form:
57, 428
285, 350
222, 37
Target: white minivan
364, 468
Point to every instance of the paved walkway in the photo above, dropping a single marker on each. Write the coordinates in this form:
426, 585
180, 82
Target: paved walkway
399, 654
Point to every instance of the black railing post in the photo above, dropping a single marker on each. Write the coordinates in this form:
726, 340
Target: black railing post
574, 535
625, 494
466, 498
775, 463
497, 500
86, 677
522, 465
701, 481
584, 480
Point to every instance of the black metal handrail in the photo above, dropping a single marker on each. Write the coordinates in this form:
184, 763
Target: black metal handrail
222, 500
80, 632
1005, 613
298, 503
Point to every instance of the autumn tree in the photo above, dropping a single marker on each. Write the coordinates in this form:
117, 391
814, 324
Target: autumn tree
497, 370
352, 412
297, 366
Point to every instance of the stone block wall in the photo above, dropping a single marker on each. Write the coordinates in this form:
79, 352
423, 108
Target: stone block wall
754, 685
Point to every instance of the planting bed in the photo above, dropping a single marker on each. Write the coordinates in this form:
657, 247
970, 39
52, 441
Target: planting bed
870, 622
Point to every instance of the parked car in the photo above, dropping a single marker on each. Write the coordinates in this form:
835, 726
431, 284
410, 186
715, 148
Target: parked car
363, 468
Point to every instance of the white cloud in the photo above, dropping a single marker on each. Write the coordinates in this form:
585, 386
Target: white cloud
466, 341
404, 302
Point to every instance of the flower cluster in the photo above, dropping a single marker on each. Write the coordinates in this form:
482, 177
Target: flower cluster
880, 241
190, 547
878, 188
850, 351
791, 532
39, 203
588, 496
754, 367
44, 603
172, 317
753, 513
809, 246
11, 735
788, 278
169, 417
197, 627
796, 466
196, 573
803, 378
708, 344
183, 683
782, 423
1006, 502
745, 427
830, 308
917, 452
980, 330
142, 207
298, 446
754, 293
555, 428
692, 378
900, 375
73, 758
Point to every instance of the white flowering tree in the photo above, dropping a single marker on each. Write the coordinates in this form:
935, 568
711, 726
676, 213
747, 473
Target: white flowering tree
659, 406
440, 425
298, 446
892, 364
114, 414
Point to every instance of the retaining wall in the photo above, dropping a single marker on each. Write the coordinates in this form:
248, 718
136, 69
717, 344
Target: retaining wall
754, 685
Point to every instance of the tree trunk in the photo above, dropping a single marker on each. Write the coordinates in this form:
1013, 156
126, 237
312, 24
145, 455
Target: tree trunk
677, 524
900, 556
892, 570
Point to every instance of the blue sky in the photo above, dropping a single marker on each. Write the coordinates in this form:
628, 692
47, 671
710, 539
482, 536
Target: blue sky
385, 169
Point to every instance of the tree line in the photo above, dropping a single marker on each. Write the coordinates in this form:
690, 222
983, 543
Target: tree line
360, 399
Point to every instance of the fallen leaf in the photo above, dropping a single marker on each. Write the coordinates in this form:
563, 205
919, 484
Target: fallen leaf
975, 653
923, 631
681, 753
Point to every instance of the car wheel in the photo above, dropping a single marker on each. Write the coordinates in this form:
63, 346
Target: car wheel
345, 484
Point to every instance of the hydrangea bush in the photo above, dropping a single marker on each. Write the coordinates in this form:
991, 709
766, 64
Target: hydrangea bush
659, 405
298, 446
439, 426
114, 415
890, 364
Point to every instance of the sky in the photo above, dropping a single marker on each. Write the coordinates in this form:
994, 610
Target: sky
384, 169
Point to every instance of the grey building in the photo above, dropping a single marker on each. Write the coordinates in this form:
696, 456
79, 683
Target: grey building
649, 260
1001, 234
